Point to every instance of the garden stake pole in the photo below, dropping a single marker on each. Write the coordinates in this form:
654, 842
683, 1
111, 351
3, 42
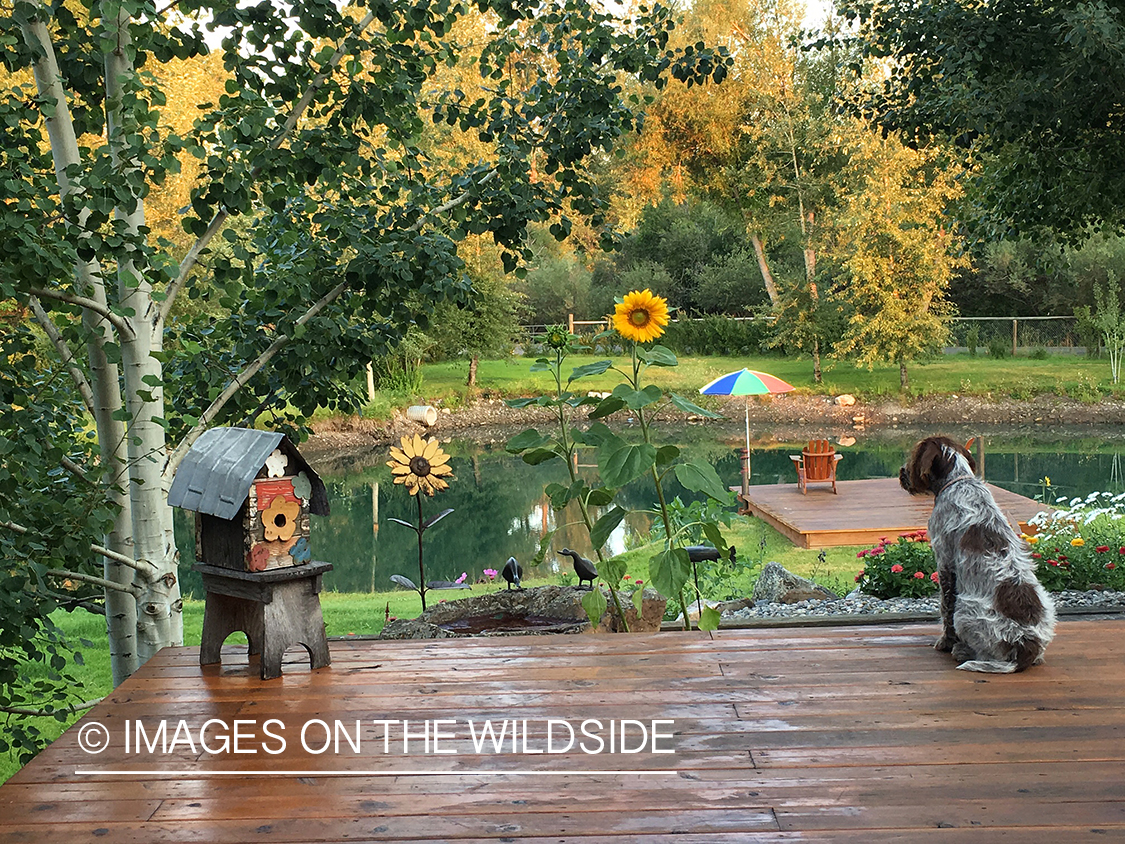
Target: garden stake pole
421, 568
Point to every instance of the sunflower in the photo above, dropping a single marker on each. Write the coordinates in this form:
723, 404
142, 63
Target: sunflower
641, 316
420, 465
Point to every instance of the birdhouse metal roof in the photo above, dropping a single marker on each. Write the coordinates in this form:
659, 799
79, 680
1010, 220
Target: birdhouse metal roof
216, 473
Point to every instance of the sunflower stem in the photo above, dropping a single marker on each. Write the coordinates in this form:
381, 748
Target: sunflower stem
421, 568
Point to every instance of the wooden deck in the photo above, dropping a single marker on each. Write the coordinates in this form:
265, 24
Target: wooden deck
828, 735
862, 512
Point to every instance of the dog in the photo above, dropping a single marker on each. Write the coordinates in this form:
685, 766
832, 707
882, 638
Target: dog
996, 616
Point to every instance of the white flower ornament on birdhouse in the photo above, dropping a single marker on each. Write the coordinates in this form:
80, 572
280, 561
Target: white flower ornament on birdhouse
275, 464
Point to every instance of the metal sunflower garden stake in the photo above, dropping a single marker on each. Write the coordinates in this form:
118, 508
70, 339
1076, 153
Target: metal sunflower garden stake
421, 466
640, 318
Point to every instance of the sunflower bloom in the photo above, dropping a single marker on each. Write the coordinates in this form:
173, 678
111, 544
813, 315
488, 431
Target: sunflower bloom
420, 465
641, 316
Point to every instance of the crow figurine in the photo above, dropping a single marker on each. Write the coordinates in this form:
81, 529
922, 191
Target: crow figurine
512, 572
582, 567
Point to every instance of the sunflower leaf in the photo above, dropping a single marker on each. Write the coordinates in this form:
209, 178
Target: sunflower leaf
433, 520
620, 465
690, 407
669, 570
595, 368
657, 356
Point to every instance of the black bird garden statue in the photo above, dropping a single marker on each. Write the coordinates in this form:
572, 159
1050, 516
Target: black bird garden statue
512, 573
584, 568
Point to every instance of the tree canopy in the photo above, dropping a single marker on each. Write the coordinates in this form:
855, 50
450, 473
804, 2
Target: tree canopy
1030, 92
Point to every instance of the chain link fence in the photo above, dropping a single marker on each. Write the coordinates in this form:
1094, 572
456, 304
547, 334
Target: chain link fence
1017, 335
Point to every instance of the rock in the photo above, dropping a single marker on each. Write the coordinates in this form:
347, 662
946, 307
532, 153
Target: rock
845, 400
779, 586
652, 613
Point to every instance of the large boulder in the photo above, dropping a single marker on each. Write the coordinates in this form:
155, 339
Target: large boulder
778, 585
516, 612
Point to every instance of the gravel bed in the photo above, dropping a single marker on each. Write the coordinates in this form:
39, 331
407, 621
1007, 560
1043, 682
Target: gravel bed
858, 604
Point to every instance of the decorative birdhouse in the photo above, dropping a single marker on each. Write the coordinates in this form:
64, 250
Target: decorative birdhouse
252, 494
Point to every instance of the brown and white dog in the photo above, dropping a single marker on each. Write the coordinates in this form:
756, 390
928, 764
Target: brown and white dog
996, 616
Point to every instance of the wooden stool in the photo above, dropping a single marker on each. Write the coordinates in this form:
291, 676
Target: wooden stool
275, 608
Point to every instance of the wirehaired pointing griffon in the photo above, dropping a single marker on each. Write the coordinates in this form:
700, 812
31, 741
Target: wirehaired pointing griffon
996, 617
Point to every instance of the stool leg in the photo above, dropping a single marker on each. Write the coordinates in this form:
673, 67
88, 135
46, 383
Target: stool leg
222, 615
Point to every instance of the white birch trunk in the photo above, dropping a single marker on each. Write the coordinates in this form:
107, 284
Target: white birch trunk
763, 265
159, 616
121, 608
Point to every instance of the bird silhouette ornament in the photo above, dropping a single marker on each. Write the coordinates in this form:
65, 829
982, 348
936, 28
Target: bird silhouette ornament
512, 572
584, 568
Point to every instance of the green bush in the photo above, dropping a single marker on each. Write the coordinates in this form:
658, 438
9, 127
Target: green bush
999, 348
718, 335
904, 569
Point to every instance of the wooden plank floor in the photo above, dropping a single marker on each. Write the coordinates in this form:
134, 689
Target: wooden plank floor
828, 735
860, 514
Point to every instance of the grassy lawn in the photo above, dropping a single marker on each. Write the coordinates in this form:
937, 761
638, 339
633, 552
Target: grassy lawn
1019, 377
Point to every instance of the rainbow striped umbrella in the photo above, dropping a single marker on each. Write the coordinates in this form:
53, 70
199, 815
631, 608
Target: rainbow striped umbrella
746, 382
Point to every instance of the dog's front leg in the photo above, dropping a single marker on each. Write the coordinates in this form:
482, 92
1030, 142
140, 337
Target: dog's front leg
948, 582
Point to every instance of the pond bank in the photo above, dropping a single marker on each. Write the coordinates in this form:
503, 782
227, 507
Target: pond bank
489, 420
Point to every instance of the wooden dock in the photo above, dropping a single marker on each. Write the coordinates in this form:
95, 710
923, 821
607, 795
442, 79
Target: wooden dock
862, 513
861, 734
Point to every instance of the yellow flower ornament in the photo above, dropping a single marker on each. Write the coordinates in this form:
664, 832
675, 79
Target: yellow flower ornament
420, 465
641, 316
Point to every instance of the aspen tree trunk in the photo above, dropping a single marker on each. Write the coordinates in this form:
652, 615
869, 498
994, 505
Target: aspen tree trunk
763, 265
473, 364
121, 608
159, 619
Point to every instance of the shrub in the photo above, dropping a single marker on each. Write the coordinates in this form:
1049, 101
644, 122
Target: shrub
904, 569
718, 335
999, 348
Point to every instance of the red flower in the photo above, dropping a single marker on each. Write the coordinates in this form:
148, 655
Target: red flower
934, 577
1052, 562
1062, 557
862, 553
1121, 550
896, 568
1101, 549
859, 577
919, 576
1035, 555
1111, 566
878, 550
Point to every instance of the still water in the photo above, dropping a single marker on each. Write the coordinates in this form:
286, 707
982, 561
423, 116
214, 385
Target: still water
500, 510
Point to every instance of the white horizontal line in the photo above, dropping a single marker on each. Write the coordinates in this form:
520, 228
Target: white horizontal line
206, 774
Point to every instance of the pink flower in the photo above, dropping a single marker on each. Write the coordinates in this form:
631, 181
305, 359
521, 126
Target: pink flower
462, 578
878, 550
919, 576
491, 573
859, 577
934, 577
896, 568
640, 582
862, 553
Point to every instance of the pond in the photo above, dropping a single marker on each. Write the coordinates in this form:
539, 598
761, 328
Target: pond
500, 510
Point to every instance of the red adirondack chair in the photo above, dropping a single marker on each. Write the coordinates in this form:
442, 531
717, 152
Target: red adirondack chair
816, 464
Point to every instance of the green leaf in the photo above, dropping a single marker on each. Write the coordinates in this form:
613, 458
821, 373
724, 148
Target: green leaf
595, 604
620, 465
612, 570
636, 399
666, 454
657, 356
689, 407
709, 618
639, 599
544, 544
702, 477
538, 455
595, 368
669, 570
525, 440
559, 495
715, 536
600, 497
606, 525
606, 406
521, 402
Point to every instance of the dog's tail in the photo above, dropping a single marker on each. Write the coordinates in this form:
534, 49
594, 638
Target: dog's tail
1025, 654
988, 666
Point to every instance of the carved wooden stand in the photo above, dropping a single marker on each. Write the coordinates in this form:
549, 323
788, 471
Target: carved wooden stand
275, 609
